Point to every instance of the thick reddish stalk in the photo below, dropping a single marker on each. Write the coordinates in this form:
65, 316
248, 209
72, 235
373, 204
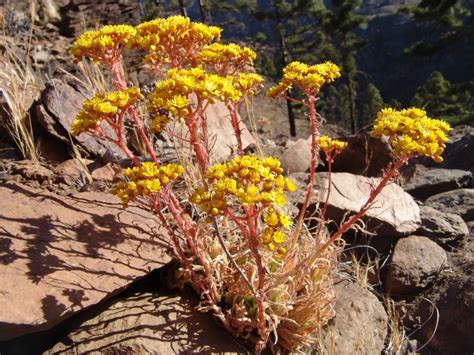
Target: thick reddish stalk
312, 172
234, 120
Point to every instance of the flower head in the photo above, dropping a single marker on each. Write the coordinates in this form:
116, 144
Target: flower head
171, 95
105, 45
308, 79
104, 106
145, 180
328, 144
412, 133
173, 40
226, 58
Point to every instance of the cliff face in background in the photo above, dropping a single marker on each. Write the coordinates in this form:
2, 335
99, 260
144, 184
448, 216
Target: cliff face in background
396, 74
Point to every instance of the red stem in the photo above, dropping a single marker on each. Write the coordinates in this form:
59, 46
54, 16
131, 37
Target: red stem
312, 172
389, 174
234, 120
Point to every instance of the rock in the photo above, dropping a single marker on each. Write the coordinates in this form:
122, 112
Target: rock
394, 212
297, 157
149, 323
360, 325
103, 173
222, 140
423, 183
446, 229
453, 295
470, 226
57, 109
31, 170
460, 202
458, 152
416, 262
60, 255
364, 155
73, 170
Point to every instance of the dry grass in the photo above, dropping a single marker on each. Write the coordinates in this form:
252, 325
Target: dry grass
20, 85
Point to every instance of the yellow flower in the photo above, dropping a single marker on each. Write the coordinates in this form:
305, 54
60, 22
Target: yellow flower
106, 44
412, 133
104, 106
145, 180
308, 79
226, 59
171, 94
174, 40
327, 144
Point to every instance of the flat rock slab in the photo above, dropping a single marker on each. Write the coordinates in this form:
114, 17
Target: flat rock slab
59, 255
149, 324
393, 213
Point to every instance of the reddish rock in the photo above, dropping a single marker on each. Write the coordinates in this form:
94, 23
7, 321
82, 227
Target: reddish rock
149, 323
59, 255
57, 109
73, 170
32, 170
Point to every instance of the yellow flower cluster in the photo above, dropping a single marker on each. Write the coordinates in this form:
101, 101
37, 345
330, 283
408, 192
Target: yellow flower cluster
173, 37
172, 94
247, 84
308, 78
274, 233
145, 180
249, 181
327, 144
412, 133
226, 58
106, 44
104, 106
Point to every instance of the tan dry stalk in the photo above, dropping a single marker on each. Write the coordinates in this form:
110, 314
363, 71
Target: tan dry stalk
20, 85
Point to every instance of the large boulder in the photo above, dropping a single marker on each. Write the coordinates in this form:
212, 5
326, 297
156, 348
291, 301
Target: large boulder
360, 324
59, 255
393, 213
446, 229
416, 262
149, 323
422, 182
460, 202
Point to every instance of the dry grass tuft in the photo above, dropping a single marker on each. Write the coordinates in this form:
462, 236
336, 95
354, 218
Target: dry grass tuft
20, 85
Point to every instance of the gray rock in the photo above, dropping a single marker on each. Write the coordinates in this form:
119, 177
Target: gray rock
446, 229
453, 295
459, 202
393, 213
424, 182
60, 255
297, 157
149, 323
360, 324
416, 262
